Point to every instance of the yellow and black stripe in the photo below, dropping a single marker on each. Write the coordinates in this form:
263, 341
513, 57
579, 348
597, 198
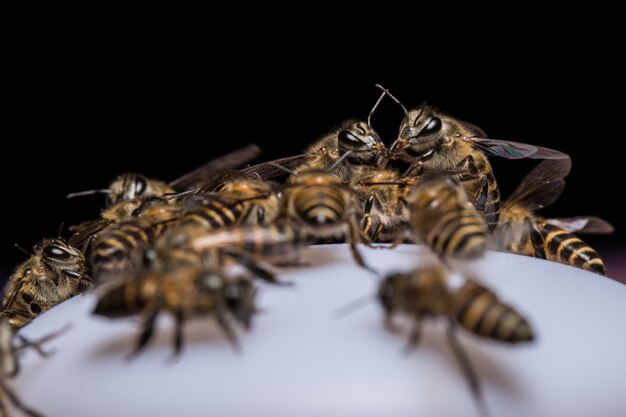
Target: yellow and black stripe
122, 301
116, 245
458, 233
478, 310
564, 247
320, 205
214, 213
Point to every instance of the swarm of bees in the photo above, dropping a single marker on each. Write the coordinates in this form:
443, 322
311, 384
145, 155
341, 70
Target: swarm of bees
194, 246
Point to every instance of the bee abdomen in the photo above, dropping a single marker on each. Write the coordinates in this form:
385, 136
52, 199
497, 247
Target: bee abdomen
214, 215
320, 205
458, 234
564, 247
112, 251
124, 300
479, 311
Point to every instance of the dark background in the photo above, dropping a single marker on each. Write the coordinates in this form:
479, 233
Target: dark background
100, 87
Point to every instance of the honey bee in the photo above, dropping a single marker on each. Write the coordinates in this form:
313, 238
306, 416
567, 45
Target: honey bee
346, 152
316, 206
120, 246
133, 186
54, 272
432, 140
523, 232
430, 292
442, 217
85, 233
185, 292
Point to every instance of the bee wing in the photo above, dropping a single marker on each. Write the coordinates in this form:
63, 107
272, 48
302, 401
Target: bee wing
543, 185
231, 160
583, 224
85, 230
516, 150
267, 170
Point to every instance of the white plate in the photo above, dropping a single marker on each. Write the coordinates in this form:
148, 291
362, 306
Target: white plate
298, 360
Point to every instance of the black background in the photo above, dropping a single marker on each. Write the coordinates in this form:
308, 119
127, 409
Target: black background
100, 87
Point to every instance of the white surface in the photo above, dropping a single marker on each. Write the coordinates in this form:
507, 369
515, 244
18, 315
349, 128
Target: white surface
298, 360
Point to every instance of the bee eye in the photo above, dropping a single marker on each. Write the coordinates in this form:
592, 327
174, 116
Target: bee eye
56, 252
140, 185
433, 126
346, 137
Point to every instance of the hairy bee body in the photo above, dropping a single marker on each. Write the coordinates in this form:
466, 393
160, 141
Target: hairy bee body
55, 272
527, 234
433, 141
131, 186
356, 137
427, 292
381, 203
523, 232
442, 217
120, 246
185, 292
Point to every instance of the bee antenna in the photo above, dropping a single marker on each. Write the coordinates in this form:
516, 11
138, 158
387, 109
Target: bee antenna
369, 116
60, 230
27, 252
340, 160
88, 192
353, 306
385, 91
287, 170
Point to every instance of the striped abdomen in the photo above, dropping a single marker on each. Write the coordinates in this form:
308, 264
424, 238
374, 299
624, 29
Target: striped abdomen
566, 248
275, 239
214, 214
320, 205
122, 301
118, 244
478, 310
458, 233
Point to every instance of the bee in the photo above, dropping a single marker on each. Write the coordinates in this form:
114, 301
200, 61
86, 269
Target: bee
430, 292
54, 272
120, 246
85, 233
133, 186
185, 292
346, 152
316, 206
523, 232
432, 140
382, 205
442, 217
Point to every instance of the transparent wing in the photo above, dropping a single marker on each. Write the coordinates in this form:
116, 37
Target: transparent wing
542, 185
583, 224
231, 160
516, 150
268, 170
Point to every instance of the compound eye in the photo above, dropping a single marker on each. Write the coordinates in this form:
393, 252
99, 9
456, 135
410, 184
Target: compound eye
433, 126
346, 137
140, 185
56, 252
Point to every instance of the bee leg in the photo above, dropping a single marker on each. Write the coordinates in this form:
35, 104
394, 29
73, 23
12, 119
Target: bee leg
414, 337
466, 367
16, 401
352, 239
37, 344
504, 236
536, 238
17, 312
222, 320
253, 266
178, 335
415, 169
146, 334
